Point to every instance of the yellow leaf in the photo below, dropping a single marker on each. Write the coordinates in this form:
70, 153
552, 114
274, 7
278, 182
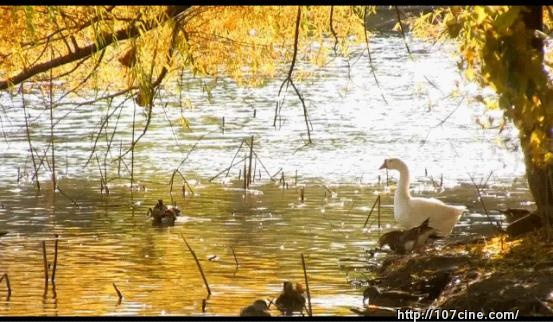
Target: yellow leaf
481, 15
548, 158
184, 122
469, 74
537, 137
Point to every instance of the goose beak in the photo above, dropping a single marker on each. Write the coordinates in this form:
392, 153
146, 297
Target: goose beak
383, 166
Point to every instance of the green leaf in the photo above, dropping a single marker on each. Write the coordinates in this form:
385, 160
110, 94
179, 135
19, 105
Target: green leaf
506, 19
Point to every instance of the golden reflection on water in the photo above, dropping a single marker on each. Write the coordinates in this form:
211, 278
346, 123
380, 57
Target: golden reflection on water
103, 242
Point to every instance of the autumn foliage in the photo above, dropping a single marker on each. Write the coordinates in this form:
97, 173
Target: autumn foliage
132, 47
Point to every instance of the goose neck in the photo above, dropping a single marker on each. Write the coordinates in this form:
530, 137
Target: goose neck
403, 184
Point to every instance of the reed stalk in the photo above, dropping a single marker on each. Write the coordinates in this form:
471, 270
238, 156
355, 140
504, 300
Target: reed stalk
50, 88
234, 255
245, 173
28, 133
45, 260
55, 259
119, 294
132, 149
310, 311
377, 201
250, 164
199, 266
8, 286
233, 158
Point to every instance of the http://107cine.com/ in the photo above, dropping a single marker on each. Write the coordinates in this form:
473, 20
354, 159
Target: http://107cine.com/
444, 314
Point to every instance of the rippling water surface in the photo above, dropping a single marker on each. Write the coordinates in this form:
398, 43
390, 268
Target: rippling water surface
108, 239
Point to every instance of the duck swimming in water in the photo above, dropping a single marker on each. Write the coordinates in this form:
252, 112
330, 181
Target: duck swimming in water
290, 300
257, 308
162, 214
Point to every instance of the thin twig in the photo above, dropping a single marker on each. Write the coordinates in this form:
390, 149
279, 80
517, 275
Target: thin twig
132, 148
234, 157
28, 132
249, 180
373, 72
378, 212
333, 31
119, 294
222, 171
204, 305
310, 311
371, 211
442, 121
402, 30
262, 165
288, 80
199, 266
8, 286
498, 226
235, 258
50, 92
171, 182
66, 196
193, 148
45, 260
154, 86
55, 259
103, 125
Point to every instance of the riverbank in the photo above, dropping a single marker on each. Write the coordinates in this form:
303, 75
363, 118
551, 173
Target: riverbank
490, 273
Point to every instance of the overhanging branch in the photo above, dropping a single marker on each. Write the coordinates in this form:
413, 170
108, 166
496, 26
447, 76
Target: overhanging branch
87, 51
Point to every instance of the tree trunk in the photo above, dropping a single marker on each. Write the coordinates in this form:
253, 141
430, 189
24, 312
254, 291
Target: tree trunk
540, 179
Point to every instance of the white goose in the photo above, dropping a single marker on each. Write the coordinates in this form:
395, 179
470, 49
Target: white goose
412, 211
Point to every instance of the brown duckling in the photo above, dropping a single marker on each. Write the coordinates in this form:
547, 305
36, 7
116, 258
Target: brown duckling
290, 300
404, 242
162, 214
257, 308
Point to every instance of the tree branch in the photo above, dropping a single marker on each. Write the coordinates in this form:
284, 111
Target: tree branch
288, 79
373, 72
332, 29
85, 52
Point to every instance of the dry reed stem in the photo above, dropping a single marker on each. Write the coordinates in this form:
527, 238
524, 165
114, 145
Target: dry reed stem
119, 294
8, 286
198, 264
249, 181
310, 311
45, 260
371, 211
235, 258
55, 259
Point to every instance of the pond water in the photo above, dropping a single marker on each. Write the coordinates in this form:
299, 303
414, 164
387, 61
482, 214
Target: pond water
106, 239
